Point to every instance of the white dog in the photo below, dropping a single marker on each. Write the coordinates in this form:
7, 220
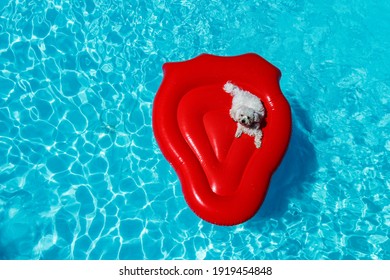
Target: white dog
247, 110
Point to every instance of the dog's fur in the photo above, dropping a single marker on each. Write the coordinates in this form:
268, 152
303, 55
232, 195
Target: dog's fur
248, 111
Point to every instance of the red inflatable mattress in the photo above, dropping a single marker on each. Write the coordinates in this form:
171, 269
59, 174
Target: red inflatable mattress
224, 179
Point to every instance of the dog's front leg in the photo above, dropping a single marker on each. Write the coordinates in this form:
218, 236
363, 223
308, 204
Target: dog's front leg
238, 131
258, 137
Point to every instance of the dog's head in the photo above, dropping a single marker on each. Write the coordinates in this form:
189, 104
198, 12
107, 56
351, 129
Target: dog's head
247, 117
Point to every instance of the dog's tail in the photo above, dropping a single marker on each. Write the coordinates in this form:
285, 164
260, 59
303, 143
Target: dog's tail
231, 88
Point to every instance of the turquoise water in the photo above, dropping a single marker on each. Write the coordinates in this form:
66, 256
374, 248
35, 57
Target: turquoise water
81, 175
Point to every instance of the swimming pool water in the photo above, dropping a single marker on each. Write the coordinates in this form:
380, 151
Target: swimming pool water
81, 175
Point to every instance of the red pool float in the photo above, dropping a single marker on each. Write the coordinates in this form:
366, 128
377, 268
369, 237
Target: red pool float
224, 179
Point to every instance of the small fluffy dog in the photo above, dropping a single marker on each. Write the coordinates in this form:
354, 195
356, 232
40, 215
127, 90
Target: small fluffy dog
247, 110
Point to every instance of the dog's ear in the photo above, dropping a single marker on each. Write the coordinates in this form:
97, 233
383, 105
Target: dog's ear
237, 114
256, 117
